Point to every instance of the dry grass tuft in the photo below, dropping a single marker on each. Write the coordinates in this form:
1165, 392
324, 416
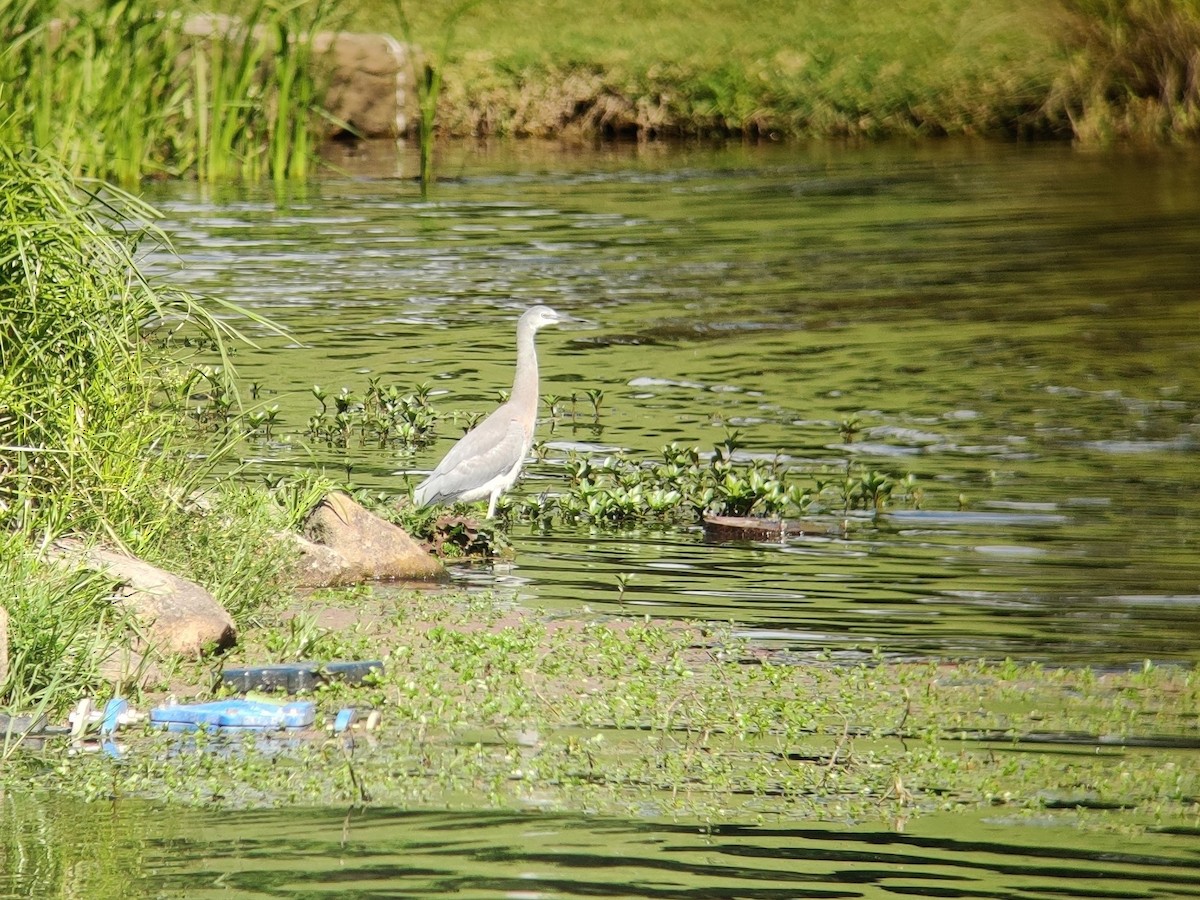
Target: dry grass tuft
1133, 71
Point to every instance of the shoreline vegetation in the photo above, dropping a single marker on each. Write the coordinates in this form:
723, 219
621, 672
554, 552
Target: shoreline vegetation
118, 90
490, 707
487, 706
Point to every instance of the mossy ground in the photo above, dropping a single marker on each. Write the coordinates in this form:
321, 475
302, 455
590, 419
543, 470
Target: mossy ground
484, 705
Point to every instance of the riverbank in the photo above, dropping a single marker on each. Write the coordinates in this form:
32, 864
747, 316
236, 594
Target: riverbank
239, 102
1096, 71
735, 68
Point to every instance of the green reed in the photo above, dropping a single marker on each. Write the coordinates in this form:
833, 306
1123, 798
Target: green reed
427, 78
61, 623
228, 120
93, 440
84, 430
122, 91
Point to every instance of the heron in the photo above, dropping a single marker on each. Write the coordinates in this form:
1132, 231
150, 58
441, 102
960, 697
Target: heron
487, 459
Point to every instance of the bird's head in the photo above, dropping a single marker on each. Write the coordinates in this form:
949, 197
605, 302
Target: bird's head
539, 316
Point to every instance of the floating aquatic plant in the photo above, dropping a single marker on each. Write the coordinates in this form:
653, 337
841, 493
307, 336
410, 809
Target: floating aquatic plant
384, 415
684, 485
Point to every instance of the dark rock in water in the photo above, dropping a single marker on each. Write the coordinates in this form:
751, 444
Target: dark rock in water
755, 528
177, 616
343, 543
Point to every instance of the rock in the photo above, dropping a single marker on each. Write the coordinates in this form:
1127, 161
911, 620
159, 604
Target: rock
318, 566
366, 75
368, 82
368, 547
178, 616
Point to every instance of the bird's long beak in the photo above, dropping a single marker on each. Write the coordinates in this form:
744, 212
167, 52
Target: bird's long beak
568, 319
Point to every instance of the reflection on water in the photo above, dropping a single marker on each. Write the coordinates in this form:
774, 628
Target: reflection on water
1018, 326
135, 851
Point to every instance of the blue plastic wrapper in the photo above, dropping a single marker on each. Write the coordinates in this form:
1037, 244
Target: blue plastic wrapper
259, 715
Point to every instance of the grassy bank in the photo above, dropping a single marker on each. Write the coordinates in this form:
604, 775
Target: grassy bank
733, 67
118, 90
1096, 70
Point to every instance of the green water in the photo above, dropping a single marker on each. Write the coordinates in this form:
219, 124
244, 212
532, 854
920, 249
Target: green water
149, 852
1017, 326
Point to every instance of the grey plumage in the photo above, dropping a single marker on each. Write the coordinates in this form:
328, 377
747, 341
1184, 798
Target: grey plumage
487, 460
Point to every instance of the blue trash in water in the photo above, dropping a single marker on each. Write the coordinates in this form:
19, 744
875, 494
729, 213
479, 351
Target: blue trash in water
113, 711
258, 715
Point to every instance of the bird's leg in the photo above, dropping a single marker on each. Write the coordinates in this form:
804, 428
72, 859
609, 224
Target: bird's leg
492, 504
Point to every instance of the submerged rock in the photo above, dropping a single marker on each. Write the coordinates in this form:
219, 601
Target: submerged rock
177, 615
343, 543
756, 528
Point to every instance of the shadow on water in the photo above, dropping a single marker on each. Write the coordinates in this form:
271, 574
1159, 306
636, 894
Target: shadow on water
133, 851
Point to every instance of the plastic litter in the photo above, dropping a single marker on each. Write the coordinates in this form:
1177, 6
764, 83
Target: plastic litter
111, 717
81, 718
116, 713
295, 678
237, 715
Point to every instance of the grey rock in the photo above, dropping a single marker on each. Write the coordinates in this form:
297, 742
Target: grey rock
343, 543
177, 615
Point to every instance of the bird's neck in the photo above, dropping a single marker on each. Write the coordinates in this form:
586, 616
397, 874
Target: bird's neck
525, 385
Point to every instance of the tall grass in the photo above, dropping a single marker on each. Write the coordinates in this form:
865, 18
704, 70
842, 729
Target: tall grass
256, 85
427, 78
96, 89
120, 90
86, 444
92, 434
1133, 70
84, 430
295, 80
63, 624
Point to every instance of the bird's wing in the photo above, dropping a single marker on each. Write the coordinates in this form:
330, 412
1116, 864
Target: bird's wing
483, 455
